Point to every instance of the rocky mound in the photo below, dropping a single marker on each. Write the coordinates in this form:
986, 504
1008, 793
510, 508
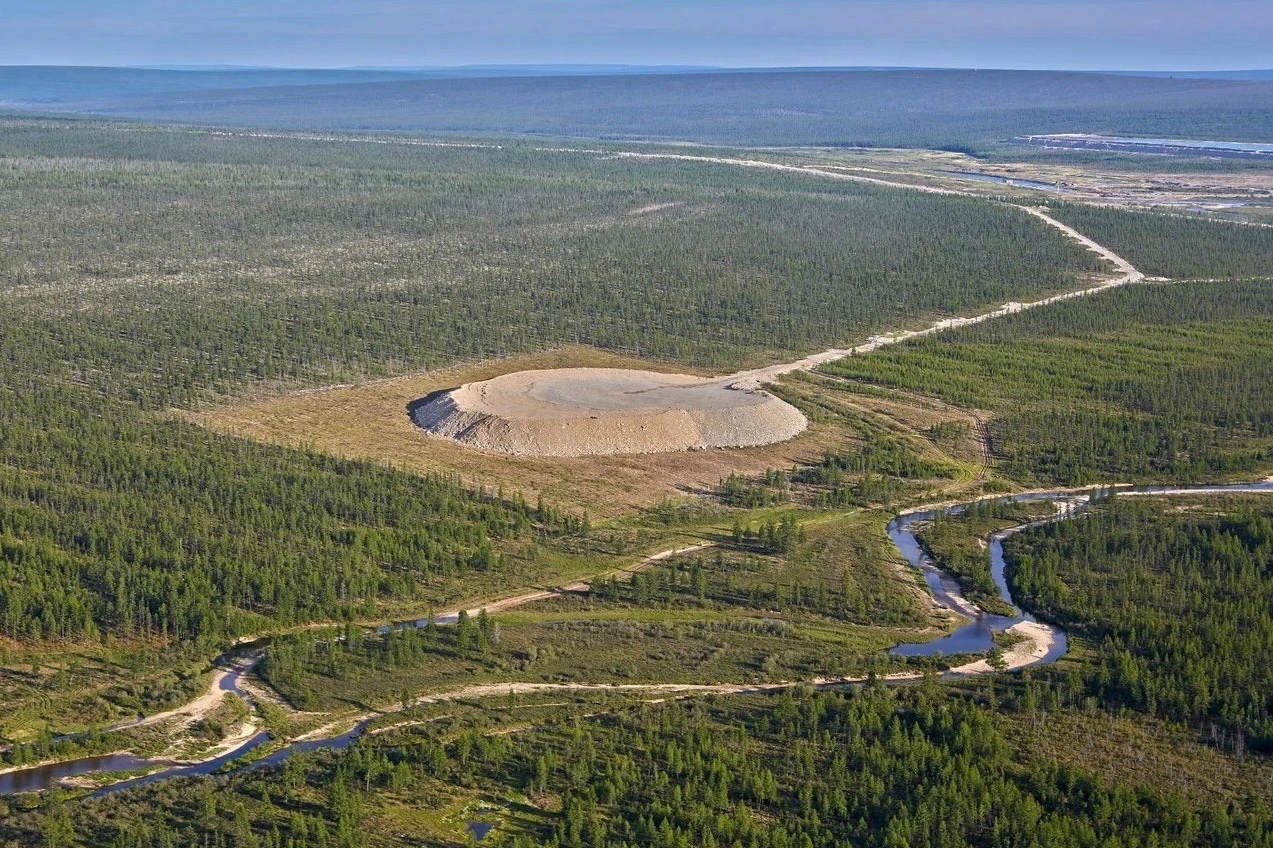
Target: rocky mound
590, 411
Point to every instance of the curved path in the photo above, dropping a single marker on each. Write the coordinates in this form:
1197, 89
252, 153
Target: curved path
1038, 643
1128, 274
226, 680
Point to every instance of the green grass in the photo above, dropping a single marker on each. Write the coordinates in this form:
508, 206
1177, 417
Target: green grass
1137, 749
829, 606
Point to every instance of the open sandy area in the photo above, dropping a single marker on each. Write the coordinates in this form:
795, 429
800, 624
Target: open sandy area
1036, 641
591, 411
371, 421
576, 412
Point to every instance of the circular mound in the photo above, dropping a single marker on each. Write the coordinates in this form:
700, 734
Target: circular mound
591, 411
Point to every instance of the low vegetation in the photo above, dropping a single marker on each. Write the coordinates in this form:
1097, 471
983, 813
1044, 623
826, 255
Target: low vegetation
1147, 382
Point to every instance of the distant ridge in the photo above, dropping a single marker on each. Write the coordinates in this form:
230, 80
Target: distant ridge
44, 86
543, 70
195, 67
1258, 74
963, 110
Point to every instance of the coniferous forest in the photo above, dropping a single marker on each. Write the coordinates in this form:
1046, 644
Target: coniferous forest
710, 668
1173, 606
1169, 382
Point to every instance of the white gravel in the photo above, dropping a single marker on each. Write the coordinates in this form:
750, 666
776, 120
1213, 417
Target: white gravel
590, 411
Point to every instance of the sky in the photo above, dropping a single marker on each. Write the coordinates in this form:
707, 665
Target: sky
1069, 34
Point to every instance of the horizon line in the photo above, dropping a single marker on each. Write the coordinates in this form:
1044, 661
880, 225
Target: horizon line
687, 68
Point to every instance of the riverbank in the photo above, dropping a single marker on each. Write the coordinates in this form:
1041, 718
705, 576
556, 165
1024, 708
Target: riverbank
1034, 643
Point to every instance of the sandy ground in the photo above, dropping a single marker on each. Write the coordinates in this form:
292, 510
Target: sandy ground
655, 207
1037, 639
241, 735
371, 421
218, 687
591, 411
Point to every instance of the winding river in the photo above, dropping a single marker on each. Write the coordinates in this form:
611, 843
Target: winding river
975, 637
978, 635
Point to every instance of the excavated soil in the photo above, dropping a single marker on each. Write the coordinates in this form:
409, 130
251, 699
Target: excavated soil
597, 411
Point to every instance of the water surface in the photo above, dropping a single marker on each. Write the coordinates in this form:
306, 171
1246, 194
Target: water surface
974, 637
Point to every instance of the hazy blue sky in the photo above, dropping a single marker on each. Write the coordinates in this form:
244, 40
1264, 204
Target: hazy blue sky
1109, 34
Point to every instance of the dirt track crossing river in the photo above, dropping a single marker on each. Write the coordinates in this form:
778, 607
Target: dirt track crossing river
1038, 644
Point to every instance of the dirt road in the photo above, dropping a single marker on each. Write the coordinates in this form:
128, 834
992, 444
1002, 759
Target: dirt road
223, 678
512, 601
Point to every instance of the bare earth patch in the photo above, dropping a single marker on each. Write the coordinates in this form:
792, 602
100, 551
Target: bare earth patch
592, 411
371, 421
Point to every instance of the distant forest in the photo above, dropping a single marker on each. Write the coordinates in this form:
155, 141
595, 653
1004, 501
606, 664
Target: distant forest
959, 109
168, 268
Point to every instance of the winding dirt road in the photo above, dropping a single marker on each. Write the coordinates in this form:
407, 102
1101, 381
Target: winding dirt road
1032, 648
1128, 274
224, 680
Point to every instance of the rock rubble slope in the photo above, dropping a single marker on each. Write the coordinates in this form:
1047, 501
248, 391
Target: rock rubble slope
599, 411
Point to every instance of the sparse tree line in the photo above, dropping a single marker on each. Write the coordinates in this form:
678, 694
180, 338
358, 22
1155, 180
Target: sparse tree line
293, 664
740, 577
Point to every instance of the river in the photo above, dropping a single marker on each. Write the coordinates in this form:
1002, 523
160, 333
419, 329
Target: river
1011, 181
975, 637
978, 635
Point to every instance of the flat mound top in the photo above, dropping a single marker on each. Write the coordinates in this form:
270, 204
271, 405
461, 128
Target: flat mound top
590, 411
572, 392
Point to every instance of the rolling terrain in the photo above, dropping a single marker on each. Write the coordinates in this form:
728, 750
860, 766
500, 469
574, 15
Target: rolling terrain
864, 107
215, 506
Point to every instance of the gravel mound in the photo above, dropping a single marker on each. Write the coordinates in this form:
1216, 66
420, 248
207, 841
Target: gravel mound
591, 411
